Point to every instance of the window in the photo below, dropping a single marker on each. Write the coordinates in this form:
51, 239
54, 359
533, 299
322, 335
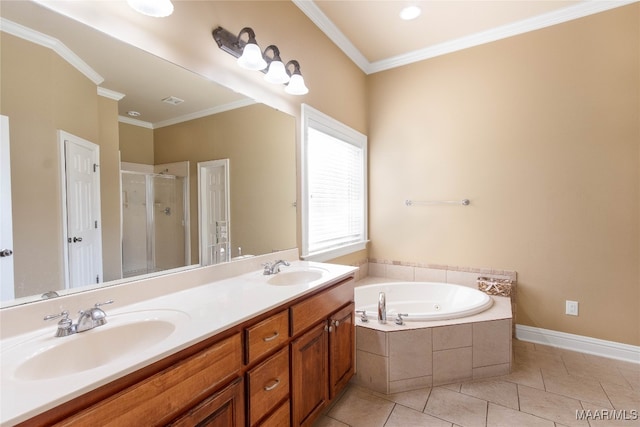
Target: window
334, 187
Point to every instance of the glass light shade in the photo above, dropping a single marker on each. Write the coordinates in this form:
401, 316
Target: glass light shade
155, 8
410, 12
276, 73
251, 58
296, 85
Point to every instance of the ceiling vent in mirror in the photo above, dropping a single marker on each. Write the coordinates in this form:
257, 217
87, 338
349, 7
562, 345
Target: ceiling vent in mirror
173, 100
154, 8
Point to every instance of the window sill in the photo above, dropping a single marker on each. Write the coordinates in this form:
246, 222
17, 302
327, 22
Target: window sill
335, 252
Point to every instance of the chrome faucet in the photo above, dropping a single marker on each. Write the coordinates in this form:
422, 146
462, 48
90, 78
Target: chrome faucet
382, 308
92, 318
89, 319
275, 267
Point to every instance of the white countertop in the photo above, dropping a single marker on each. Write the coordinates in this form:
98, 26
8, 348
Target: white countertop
200, 312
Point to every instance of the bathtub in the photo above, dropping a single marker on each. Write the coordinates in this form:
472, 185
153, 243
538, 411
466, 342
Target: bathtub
422, 301
452, 334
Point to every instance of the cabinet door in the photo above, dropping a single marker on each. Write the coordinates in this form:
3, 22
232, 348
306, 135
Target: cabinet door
310, 377
341, 349
223, 409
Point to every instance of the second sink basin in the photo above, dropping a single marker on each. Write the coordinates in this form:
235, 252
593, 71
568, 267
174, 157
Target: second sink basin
296, 277
122, 335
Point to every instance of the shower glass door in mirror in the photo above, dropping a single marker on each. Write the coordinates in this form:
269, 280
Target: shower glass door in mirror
154, 229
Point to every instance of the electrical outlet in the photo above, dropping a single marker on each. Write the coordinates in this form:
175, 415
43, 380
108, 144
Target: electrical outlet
571, 308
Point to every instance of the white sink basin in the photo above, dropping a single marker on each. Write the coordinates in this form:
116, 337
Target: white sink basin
296, 277
123, 335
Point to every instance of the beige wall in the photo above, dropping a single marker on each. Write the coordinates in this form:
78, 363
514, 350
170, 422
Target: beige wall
41, 94
541, 131
136, 144
260, 143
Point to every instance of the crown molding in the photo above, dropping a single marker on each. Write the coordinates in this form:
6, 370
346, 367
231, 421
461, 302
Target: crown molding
585, 8
204, 113
197, 115
313, 12
111, 94
52, 43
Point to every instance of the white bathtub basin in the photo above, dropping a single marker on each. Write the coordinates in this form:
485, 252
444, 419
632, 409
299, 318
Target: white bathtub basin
422, 301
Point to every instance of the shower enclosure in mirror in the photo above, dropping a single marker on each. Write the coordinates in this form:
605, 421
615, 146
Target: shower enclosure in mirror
155, 231
43, 92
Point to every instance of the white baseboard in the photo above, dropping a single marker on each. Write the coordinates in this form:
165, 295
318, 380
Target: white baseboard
582, 344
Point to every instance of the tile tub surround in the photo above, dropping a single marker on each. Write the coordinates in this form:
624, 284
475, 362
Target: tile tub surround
393, 359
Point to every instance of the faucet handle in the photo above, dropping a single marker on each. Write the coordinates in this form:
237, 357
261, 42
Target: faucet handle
100, 304
399, 320
65, 325
363, 316
64, 315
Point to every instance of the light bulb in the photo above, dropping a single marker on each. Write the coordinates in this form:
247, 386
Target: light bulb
296, 85
251, 58
276, 73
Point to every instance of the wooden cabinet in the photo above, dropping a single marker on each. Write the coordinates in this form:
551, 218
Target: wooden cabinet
278, 369
223, 409
266, 336
322, 359
268, 385
162, 397
341, 349
310, 376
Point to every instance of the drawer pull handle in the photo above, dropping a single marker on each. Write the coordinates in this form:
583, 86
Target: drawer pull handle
272, 337
276, 383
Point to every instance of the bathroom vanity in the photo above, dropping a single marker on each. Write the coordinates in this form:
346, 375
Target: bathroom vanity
252, 350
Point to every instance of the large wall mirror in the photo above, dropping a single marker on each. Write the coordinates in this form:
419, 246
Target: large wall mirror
204, 165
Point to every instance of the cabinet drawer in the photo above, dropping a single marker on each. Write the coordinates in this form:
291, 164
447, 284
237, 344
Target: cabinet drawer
280, 418
268, 385
174, 389
266, 336
223, 409
312, 310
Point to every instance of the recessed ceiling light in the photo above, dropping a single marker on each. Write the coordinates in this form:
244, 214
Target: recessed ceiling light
154, 8
410, 12
133, 114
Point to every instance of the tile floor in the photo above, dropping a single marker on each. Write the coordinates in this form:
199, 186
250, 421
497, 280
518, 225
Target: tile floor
545, 388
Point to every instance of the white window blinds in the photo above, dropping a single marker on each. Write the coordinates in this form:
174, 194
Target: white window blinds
335, 187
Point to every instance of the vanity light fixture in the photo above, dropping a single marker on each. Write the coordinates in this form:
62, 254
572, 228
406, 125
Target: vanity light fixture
154, 8
269, 62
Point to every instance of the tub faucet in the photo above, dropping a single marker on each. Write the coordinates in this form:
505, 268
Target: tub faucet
275, 267
382, 308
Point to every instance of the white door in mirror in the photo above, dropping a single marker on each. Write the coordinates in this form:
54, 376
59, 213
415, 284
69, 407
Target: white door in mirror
6, 222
